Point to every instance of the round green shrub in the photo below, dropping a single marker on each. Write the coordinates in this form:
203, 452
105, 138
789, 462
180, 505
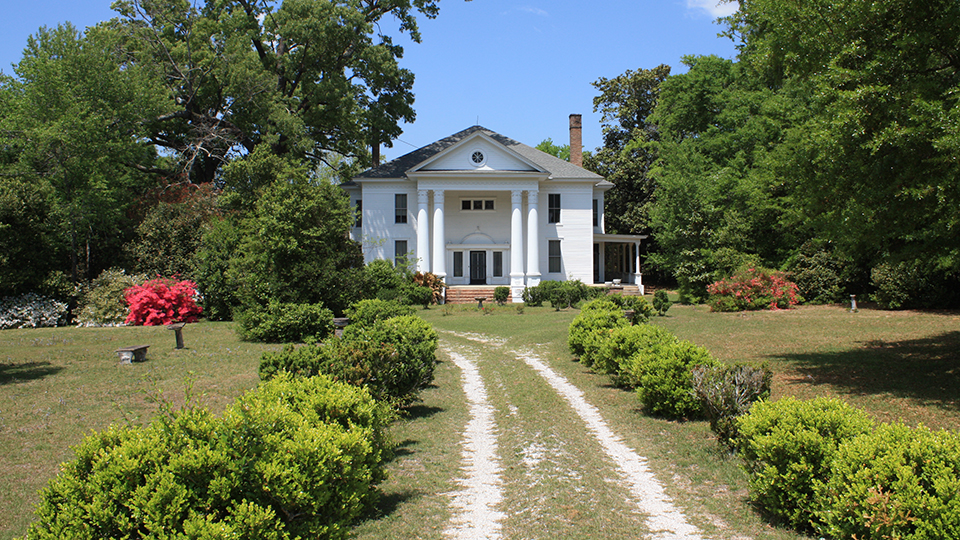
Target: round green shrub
661, 302
666, 378
787, 446
279, 322
896, 482
501, 294
625, 342
295, 458
591, 327
367, 312
415, 345
418, 296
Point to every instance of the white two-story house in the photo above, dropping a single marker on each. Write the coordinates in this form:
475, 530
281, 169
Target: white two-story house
478, 208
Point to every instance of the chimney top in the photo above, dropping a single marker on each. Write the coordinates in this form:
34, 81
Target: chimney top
576, 140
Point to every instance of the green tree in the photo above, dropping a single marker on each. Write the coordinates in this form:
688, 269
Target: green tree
875, 161
296, 247
71, 127
304, 77
626, 102
547, 146
718, 204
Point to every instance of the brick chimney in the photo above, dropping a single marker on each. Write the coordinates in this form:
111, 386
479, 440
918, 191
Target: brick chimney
576, 140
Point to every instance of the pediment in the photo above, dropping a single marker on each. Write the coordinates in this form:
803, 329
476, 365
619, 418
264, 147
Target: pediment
478, 153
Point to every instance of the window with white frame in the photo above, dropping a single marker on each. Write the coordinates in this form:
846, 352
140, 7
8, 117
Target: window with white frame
400, 207
553, 208
477, 205
358, 217
400, 253
497, 264
457, 264
554, 259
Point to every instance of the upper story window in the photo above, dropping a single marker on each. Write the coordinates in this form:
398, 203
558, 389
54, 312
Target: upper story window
477, 204
553, 208
400, 206
596, 213
358, 221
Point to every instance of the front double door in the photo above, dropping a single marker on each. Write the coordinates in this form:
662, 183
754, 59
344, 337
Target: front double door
478, 267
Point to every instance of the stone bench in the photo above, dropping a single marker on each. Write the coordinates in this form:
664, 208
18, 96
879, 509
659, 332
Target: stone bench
136, 353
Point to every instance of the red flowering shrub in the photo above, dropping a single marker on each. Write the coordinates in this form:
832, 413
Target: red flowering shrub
753, 289
162, 301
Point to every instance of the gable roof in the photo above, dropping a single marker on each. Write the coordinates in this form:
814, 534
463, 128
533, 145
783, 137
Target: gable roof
556, 167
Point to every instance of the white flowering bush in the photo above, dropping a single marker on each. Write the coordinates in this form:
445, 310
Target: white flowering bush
31, 310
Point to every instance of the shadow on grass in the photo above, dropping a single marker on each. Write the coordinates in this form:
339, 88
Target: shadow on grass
388, 503
30, 371
418, 412
927, 370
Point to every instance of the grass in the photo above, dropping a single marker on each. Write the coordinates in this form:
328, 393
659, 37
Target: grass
58, 384
897, 365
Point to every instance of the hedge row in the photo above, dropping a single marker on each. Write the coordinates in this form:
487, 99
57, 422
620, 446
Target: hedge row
823, 466
295, 458
645, 357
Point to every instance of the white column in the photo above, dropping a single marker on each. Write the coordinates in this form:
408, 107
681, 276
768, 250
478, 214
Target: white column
516, 243
533, 240
439, 236
638, 276
603, 262
423, 231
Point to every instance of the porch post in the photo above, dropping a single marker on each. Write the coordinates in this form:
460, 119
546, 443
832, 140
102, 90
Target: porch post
516, 243
603, 262
533, 241
423, 231
439, 236
638, 276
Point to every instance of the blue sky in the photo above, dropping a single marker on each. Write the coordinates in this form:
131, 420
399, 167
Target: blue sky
519, 68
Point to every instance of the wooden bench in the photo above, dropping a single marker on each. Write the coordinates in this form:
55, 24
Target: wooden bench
136, 353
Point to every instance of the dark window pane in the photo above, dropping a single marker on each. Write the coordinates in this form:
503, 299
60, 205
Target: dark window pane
457, 264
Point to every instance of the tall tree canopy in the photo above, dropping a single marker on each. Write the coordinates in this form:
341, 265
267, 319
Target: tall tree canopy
305, 77
833, 137
875, 160
626, 102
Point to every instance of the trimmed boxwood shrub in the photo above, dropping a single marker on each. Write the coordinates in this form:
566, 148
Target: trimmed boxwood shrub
665, 375
280, 322
591, 327
895, 482
787, 446
415, 343
295, 458
625, 342
367, 312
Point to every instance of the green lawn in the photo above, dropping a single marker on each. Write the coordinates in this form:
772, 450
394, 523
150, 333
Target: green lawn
898, 365
58, 384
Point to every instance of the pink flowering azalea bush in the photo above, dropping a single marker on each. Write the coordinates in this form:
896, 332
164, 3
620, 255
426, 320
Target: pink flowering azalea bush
162, 301
752, 289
